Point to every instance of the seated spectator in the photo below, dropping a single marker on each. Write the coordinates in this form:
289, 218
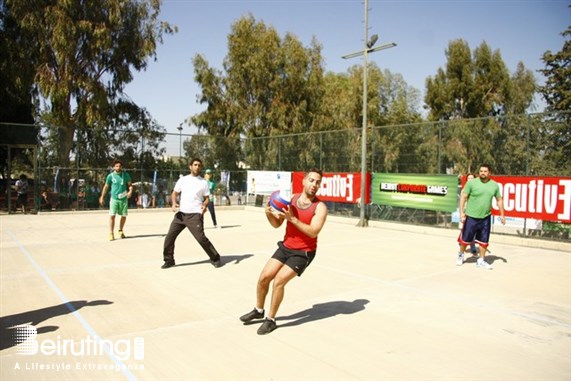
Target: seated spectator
45, 203
144, 200
160, 198
92, 195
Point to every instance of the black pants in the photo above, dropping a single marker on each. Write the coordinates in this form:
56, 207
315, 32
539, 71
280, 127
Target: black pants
195, 224
22, 200
212, 212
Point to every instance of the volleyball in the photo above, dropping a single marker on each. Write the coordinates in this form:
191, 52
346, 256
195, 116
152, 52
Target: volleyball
279, 200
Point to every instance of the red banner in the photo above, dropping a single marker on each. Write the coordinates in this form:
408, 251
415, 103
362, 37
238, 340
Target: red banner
337, 187
541, 198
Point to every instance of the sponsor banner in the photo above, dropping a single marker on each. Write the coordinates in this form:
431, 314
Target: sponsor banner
265, 182
429, 192
225, 180
519, 223
336, 187
541, 198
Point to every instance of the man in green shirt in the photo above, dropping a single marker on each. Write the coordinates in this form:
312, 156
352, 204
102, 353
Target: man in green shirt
121, 188
476, 214
212, 188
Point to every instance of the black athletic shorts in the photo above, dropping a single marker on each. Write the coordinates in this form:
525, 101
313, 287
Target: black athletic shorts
297, 260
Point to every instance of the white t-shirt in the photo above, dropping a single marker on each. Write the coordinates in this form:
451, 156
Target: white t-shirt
22, 186
192, 191
145, 201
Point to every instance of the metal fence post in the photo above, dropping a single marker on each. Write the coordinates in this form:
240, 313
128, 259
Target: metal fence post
321, 151
439, 146
527, 148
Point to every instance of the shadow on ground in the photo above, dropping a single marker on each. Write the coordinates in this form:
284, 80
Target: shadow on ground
319, 311
225, 259
36, 317
223, 227
489, 258
144, 236
323, 311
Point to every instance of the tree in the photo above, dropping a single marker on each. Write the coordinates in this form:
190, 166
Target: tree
448, 94
521, 92
478, 85
16, 71
394, 103
557, 88
557, 95
340, 146
16, 77
269, 86
84, 57
274, 92
219, 120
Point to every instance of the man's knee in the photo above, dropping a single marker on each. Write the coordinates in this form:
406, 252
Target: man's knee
281, 279
265, 279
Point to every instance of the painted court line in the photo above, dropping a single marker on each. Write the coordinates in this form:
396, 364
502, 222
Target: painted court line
130, 376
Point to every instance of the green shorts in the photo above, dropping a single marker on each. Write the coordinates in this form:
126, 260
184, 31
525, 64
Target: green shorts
118, 207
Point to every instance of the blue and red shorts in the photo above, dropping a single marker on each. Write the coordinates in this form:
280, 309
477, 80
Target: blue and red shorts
476, 229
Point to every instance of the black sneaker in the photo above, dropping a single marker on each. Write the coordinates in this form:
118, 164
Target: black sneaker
167, 264
254, 314
267, 327
217, 263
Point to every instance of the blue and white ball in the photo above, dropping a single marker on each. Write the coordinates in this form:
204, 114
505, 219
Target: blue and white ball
279, 200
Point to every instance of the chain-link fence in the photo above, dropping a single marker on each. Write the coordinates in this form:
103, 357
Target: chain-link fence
519, 145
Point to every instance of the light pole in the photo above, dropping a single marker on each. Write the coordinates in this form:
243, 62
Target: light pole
368, 48
179, 128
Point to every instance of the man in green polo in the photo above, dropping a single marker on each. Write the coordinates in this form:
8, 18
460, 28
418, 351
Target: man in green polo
476, 214
121, 188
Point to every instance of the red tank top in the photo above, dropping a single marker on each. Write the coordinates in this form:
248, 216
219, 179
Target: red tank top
294, 239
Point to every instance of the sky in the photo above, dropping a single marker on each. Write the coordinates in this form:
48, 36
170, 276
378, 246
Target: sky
422, 29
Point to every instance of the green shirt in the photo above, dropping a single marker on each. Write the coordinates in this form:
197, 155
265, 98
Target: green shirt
118, 183
480, 196
211, 186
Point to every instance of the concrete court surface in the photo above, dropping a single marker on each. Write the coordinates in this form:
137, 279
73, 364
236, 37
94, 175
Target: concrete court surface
379, 303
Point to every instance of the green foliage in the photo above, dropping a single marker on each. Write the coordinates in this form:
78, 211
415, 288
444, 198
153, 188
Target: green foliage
557, 94
272, 106
83, 57
521, 92
557, 88
16, 71
16, 79
474, 86
477, 85
270, 86
275, 87
392, 102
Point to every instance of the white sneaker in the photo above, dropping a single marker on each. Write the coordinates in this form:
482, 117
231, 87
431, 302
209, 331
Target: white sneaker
483, 264
460, 259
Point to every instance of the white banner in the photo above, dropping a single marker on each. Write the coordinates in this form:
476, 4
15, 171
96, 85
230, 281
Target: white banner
265, 182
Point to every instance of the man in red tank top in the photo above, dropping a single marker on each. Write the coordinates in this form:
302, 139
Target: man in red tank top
305, 218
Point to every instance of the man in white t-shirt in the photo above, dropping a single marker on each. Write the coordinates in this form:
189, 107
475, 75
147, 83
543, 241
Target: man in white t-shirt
194, 198
22, 190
